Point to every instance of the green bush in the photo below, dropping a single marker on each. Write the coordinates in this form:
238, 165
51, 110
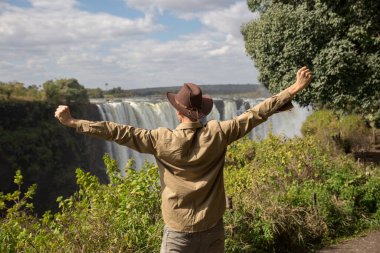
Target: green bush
295, 195
65, 91
122, 216
16, 91
344, 132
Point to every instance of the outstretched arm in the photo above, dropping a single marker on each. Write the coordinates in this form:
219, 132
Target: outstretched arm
139, 139
239, 126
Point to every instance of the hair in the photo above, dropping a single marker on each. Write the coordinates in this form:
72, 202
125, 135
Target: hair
192, 120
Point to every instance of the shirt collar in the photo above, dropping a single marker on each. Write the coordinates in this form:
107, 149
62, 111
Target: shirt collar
189, 125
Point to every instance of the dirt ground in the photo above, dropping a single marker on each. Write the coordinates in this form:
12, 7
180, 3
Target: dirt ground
369, 243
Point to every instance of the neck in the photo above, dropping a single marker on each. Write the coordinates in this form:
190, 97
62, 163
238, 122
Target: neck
184, 119
187, 120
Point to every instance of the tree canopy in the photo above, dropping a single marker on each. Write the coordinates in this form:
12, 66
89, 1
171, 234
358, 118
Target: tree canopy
338, 40
17, 91
65, 91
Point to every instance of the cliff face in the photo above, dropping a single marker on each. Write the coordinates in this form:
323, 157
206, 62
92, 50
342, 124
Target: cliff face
47, 153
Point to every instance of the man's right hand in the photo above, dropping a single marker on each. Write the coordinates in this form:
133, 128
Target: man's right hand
63, 115
303, 79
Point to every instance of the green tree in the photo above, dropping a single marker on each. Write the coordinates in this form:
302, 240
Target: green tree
65, 91
11, 89
17, 91
6, 90
115, 91
339, 40
95, 93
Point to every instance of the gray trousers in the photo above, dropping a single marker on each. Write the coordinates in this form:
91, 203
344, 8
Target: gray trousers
208, 241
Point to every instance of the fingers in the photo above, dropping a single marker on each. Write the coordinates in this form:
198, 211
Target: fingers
302, 69
304, 72
61, 109
303, 79
309, 75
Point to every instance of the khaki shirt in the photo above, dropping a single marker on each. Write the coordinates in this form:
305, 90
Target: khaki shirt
190, 160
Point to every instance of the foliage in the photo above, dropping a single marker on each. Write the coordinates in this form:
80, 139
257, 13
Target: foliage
95, 93
46, 151
293, 195
61, 91
118, 92
345, 132
11, 232
17, 91
122, 216
65, 91
338, 40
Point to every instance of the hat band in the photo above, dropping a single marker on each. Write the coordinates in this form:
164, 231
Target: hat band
185, 107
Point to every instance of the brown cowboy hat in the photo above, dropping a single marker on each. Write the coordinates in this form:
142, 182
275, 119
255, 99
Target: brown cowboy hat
190, 102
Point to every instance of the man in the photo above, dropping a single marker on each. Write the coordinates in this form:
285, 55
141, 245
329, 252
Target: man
190, 160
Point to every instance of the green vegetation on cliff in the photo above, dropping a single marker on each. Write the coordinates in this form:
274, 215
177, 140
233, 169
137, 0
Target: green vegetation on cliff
60, 91
46, 151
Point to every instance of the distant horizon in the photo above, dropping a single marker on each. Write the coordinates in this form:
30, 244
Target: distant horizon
213, 84
222, 90
152, 87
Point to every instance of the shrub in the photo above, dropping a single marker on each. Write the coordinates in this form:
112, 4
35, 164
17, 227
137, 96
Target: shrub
344, 132
289, 195
122, 216
295, 195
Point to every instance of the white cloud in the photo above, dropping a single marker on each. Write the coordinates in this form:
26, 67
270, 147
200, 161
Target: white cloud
220, 51
200, 58
53, 4
228, 20
179, 7
48, 24
48, 42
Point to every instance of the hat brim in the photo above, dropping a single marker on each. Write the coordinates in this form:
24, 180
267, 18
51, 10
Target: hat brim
207, 104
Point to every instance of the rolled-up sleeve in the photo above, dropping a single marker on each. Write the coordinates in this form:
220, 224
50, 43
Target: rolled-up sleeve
241, 125
139, 139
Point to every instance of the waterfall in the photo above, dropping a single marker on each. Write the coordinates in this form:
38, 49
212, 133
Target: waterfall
153, 114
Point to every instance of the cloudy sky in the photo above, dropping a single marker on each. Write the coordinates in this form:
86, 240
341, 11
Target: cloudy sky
126, 43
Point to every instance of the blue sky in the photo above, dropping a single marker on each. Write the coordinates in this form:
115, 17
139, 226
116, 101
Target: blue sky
126, 43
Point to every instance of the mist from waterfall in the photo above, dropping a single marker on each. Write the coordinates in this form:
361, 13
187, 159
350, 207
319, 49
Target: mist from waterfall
152, 114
